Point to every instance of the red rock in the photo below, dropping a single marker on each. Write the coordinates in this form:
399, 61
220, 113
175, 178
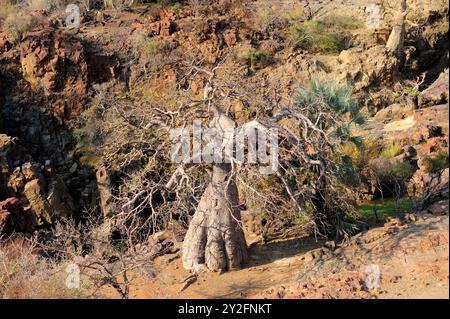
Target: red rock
13, 217
5, 43
56, 62
230, 38
437, 92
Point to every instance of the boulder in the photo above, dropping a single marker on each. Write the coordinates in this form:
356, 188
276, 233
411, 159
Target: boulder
362, 68
5, 42
422, 133
430, 148
13, 217
11, 155
394, 112
40, 207
11, 152
230, 37
161, 23
436, 93
31, 171
429, 122
16, 181
167, 23
431, 187
252, 225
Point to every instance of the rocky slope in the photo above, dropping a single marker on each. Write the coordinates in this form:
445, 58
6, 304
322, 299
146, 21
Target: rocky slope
47, 80
405, 258
52, 75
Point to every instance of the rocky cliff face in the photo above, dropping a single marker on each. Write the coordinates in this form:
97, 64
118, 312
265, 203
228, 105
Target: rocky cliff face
44, 87
47, 78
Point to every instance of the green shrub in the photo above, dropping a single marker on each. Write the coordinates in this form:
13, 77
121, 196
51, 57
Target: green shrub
314, 37
437, 163
254, 58
341, 21
392, 150
333, 110
401, 172
360, 156
150, 52
150, 47
329, 94
269, 18
408, 91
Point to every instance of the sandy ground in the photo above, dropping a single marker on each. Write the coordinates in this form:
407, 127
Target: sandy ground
411, 260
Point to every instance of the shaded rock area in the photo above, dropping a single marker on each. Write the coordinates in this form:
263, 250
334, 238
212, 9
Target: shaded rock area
45, 87
40, 191
14, 218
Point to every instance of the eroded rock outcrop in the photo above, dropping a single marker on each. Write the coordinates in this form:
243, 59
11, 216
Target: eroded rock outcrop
56, 63
436, 93
40, 192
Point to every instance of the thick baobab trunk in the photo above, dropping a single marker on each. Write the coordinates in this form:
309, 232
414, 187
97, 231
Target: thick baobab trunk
215, 237
394, 46
397, 36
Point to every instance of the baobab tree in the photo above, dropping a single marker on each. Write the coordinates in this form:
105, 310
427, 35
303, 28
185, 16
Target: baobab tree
394, 55
152, 190
215, 237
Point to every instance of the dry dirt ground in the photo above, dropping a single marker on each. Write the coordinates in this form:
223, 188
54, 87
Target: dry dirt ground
412, 259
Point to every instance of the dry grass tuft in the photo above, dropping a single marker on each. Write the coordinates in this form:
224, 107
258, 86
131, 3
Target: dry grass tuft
25, 274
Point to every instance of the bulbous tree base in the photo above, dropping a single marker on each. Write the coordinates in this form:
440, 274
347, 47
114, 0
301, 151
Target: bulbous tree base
215, 238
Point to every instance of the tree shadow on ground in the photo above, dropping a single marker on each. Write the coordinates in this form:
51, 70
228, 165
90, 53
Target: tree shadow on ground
267, 253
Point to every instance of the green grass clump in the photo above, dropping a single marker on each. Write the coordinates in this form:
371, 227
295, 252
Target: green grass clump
254, 58
392, 150
339, 98
314, 37
341, 22
269, 17
150, 52
150, 47
437, 163
401, 171
386, 208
